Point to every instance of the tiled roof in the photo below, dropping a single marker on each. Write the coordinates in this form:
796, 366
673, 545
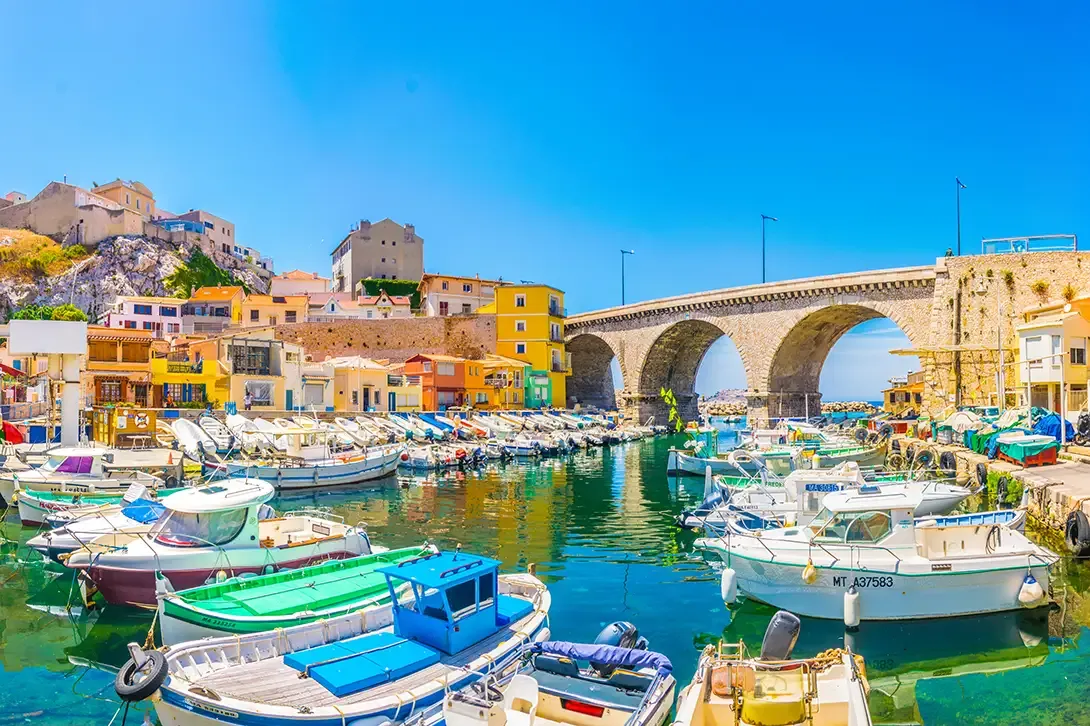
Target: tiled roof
300, 275
215, 293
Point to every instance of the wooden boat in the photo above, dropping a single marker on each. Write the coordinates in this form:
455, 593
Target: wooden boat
623, 684
732, 689
72, 469
314, 466
257, 604
207, 531
460, 621
865, 557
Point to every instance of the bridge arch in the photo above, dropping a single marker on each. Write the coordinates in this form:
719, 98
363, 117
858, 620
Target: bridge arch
672, 362
794, 373
591, 382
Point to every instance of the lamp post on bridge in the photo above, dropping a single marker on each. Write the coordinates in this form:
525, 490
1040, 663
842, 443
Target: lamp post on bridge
764, 218
623, 253
959, 187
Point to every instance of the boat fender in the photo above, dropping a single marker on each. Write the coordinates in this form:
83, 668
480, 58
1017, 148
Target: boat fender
851, 608
1077, 532
1031, 593
981, 474
404, 456
948, 462
1001, 487
780, 636
137, 682
728, 586
809, 573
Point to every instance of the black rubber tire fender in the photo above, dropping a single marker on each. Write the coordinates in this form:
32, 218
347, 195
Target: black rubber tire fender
1002, 486
1077, 532
948, 462
156, 669
981, 474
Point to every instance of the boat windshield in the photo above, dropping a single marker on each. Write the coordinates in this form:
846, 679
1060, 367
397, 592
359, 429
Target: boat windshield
856, 527
69, 464
207, 529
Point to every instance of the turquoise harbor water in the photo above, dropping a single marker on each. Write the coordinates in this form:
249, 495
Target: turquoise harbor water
600, 527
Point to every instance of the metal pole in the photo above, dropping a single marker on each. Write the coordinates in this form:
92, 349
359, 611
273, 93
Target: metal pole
762, 249
999, 381
622, 277
1063, 402
958, 186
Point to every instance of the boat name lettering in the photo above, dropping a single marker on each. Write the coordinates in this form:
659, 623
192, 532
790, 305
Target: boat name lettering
212, 709
865, 581
941, 568
822, 487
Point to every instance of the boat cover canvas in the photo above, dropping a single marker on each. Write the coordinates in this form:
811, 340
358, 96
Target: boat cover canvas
629, 658
1050, 426
144, 511
510, 609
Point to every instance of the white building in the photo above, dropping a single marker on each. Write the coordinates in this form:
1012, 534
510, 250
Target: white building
1051, 351
298, 282
443, 295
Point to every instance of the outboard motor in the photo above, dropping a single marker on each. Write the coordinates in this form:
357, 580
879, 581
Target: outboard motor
781, 636
620, 634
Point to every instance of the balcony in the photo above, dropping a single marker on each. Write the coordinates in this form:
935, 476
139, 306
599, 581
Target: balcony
556, 337
558, 312
398, 381
497, 380
185, 367
558, 367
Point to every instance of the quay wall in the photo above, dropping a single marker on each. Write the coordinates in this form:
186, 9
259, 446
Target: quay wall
396, 339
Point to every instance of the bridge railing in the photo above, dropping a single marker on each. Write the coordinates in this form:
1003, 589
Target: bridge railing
1040, 243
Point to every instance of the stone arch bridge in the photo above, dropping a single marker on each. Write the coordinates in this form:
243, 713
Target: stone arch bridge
783, 332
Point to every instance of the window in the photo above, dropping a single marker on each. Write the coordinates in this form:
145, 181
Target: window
355, 398
272, 320
168, 312
444, 308
520, 349
445, 369
554, 332
467, 287
466, 308
109, 391
482, 397
520, 301
394, 243
174, 327
228, 232
127, 200
147, 325
1057, 343
141, 309
370, 313
384, 277
383, 259
445, 285
255, 315
289, 316
427, 366
514, 397
260, 391
520, 326
138, 204
130, 324
183, 529
446, 398
1078, 352
852, 527
383, 241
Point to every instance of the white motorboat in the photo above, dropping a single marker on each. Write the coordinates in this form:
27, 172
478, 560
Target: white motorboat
865, 557
134, 512
192, 439
251, 438
457, 622
72, 469
205, 531
359, 435
221, 436
732, 688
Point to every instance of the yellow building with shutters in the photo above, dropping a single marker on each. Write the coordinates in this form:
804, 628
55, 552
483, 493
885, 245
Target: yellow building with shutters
530, 327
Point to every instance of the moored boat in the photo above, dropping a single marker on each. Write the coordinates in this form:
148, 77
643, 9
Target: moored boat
132, 516
255, 604
459, 621
73, 469
205, 531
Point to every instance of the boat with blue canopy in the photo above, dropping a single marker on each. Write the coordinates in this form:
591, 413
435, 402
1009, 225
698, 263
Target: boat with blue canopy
455, 620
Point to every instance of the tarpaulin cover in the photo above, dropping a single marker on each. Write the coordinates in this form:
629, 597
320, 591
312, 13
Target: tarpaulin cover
12, 434
992, 447
144, 511
1050, 426
608, 654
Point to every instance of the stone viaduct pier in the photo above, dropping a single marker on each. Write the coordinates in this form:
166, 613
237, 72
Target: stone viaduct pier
956, 314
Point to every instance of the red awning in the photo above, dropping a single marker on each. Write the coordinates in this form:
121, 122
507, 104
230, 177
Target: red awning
12, 371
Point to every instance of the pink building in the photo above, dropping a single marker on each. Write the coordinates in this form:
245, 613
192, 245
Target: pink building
161, 315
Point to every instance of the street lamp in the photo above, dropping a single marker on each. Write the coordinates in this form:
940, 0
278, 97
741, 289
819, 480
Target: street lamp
623, 253
764, 218
959, 187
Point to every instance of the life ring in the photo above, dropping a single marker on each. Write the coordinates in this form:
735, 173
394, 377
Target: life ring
1077, 533
133, 683
948, 462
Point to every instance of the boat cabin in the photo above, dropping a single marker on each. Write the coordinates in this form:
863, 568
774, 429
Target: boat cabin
454, 601
223, 513
866, 516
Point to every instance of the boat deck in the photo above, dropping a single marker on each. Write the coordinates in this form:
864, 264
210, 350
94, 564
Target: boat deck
272, 682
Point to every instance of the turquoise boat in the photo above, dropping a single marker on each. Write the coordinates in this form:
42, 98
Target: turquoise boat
255, 604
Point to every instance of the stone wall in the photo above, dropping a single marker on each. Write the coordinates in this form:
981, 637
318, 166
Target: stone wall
396, 339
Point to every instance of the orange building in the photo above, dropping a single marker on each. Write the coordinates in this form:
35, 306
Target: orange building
442, 380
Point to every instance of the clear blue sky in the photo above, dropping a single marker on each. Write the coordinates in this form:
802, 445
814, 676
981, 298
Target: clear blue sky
534, 142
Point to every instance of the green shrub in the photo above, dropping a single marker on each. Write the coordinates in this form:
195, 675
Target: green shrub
200, 271
374, 285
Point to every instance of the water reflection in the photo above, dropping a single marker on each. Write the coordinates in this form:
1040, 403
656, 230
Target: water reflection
600, 527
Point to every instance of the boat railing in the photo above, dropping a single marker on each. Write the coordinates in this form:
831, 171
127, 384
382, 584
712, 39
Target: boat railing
323, 512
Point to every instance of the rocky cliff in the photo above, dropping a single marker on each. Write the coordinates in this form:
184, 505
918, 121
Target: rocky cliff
119, 266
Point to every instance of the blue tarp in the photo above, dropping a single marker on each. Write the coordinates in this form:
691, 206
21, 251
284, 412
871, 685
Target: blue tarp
144, 511
992, 447
629, 658
1050, 426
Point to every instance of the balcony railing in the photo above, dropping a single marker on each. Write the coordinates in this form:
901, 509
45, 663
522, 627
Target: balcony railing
403, 380
556, 337
1040, 243
185, 367
559, 367
558, 312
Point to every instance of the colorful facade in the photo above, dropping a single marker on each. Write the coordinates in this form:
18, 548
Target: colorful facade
530, 327
211, 309
442, 380
161, 315
118, 367
505, 379
263, 310
443, 295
